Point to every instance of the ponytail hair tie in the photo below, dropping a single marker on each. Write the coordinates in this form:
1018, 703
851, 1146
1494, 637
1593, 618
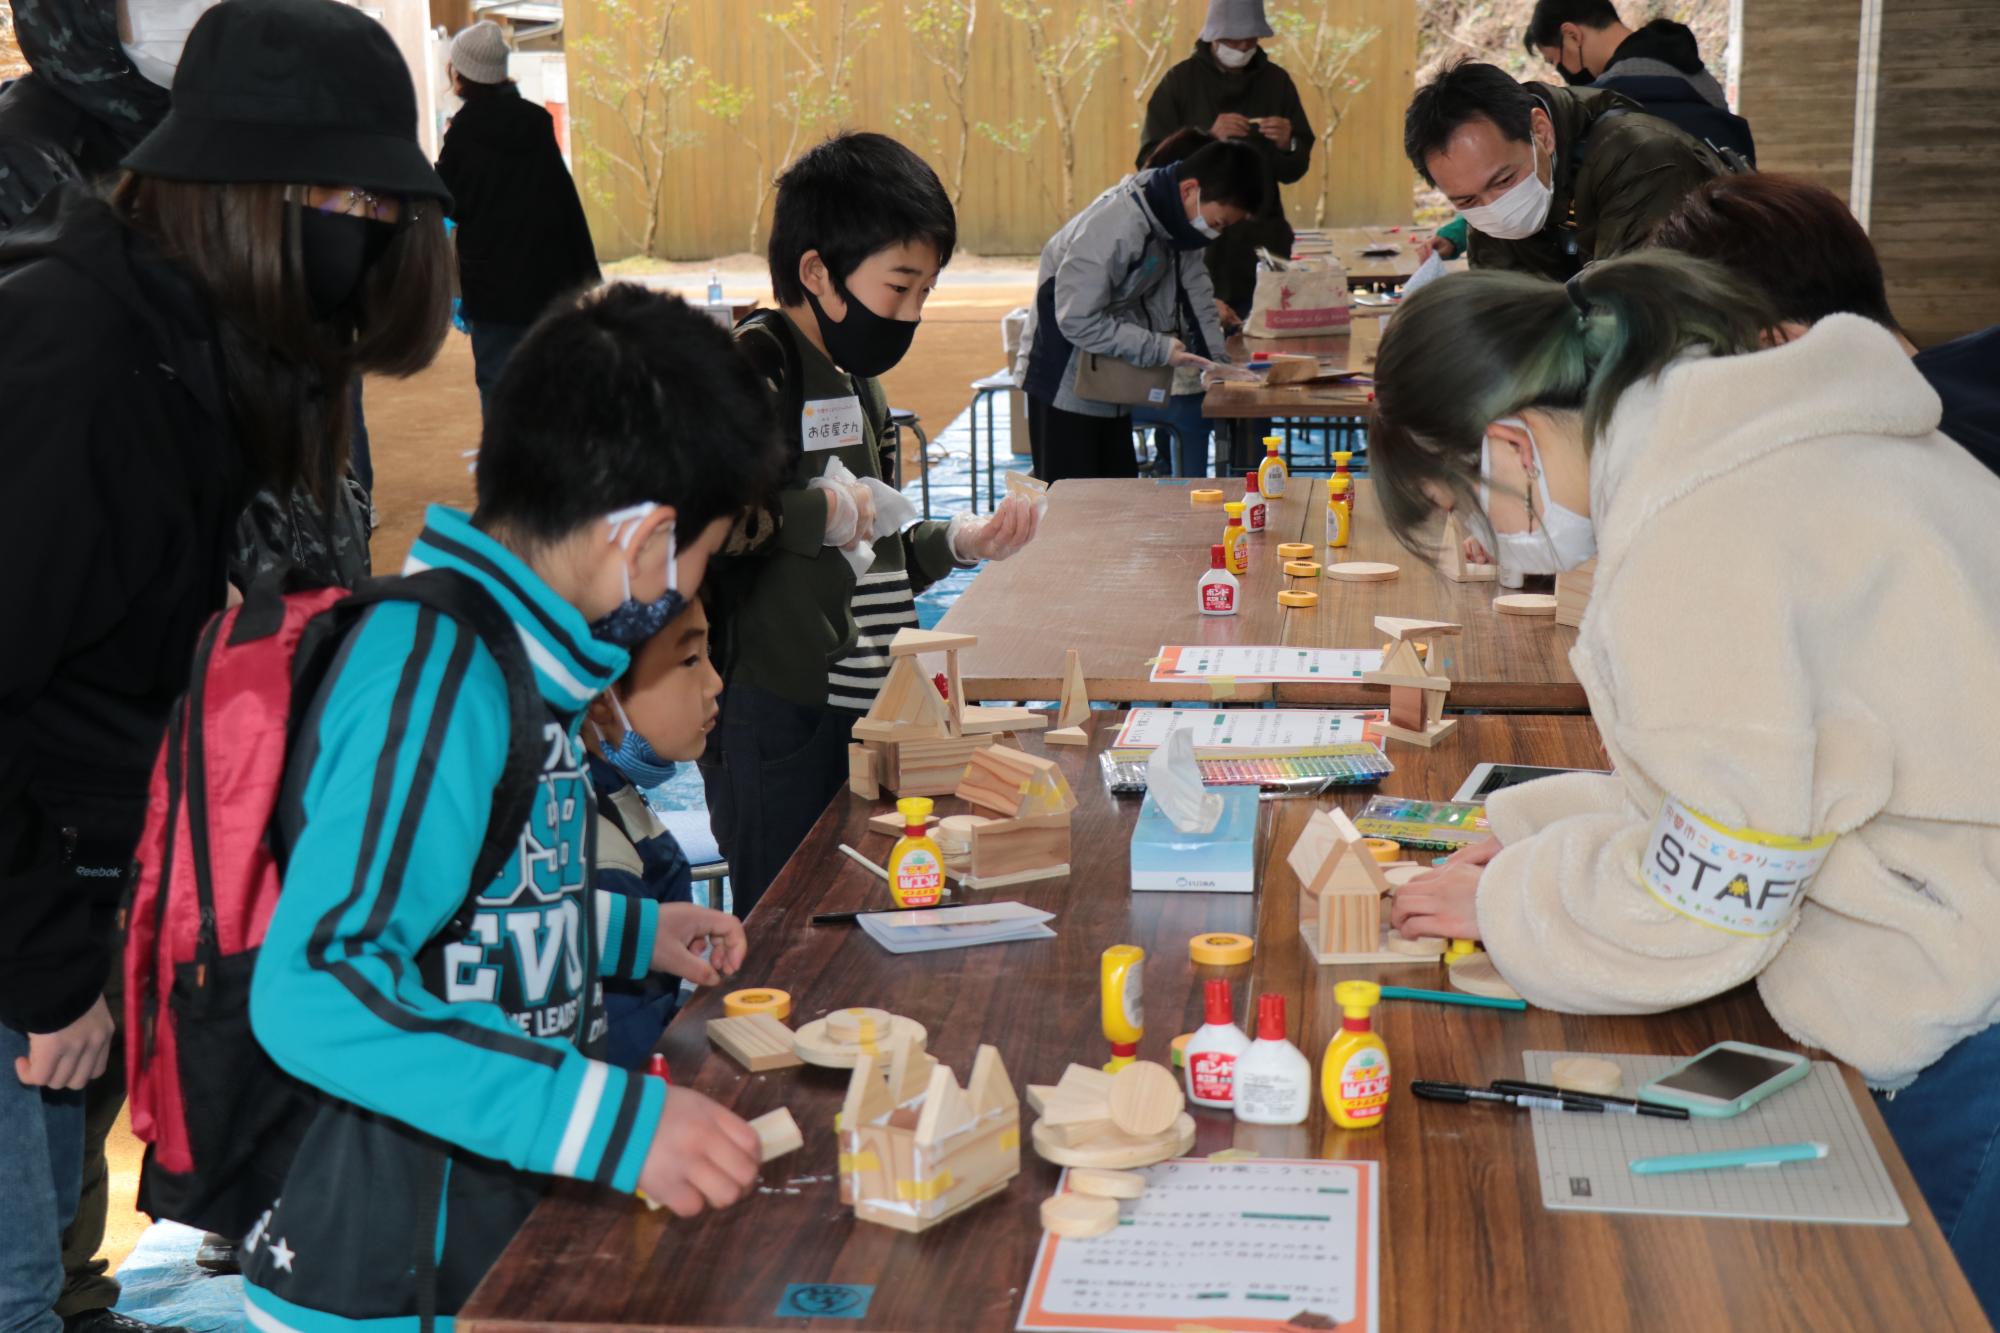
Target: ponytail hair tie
1577, 298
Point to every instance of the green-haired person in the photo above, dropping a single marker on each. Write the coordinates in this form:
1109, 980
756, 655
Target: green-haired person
1791, 650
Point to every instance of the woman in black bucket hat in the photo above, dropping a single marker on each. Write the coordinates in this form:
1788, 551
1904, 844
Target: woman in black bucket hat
163, 354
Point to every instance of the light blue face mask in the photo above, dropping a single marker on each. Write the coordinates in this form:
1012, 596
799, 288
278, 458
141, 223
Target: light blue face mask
634, 756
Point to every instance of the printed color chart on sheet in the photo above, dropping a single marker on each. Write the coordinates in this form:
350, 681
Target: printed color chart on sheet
1583, 1159
1242, 1246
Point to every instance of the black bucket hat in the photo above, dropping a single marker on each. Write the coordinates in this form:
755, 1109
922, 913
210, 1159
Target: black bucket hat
309, 92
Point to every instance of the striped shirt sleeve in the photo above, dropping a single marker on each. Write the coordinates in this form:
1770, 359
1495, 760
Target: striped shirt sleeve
404, 756
626, 925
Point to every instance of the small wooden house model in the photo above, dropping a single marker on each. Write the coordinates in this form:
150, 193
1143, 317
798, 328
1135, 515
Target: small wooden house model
915, 1148
1341, 891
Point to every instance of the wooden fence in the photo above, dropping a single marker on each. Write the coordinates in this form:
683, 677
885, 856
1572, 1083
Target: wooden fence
701, 111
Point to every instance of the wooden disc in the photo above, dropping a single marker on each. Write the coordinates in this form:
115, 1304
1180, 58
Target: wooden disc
812, 1044
1106, 1184
1115, 1151
1398, 876
1145, 1099
954, 834
852, 1026
1364, 571
1475, 975
1525, 604
1079, 1216
1582, 1074
1395, 943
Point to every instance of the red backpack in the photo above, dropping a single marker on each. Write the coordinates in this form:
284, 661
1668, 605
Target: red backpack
221, 1122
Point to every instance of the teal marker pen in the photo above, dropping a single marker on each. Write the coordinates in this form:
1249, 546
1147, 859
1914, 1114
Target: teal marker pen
1774, 1155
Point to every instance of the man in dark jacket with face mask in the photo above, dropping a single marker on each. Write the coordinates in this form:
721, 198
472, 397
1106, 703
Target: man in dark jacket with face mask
1232, 89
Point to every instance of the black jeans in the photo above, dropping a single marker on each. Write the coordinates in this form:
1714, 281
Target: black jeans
1070, 444
492, 347
771, 769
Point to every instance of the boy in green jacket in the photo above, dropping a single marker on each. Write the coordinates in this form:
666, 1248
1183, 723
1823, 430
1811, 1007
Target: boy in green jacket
812, 587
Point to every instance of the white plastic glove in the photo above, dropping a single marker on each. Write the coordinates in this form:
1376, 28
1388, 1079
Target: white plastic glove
852, 518
994, 536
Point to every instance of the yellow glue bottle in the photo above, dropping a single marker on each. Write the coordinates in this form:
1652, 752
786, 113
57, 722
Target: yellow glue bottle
1272, 474
1354, 1076
1124, 983
1235, 540
916, 866
1339, 511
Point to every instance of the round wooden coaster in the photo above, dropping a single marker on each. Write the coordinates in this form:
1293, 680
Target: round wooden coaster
1107, 1184
1525, 604
1398, 876
1079, 1216
954, 834
1414, 948
1115, 1151
851, 1027
1364, 571
1475, 975
1582, 1074
1145, 1099
812, 1045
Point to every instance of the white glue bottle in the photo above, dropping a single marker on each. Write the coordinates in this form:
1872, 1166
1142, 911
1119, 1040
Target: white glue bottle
1273, 1077
1218, 589
1210, 1060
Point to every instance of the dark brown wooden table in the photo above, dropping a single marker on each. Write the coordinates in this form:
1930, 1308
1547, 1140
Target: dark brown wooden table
1349, 242
1112, 573
1466, 1241
1496, 661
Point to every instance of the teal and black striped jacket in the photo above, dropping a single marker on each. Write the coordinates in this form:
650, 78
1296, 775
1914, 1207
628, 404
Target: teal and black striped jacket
452, 1063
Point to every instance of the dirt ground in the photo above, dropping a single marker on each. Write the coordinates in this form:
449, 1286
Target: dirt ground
419, 428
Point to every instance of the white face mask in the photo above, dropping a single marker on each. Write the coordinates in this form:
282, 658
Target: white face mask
1519, 213
1562, 539
153, 32
1203, 225
1230, 57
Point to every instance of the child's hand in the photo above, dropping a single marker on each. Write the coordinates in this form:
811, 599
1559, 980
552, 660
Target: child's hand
702, 1156
683, 927
1444, 902
1011, 527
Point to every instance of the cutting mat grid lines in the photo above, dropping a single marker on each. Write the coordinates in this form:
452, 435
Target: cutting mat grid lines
1584, 1160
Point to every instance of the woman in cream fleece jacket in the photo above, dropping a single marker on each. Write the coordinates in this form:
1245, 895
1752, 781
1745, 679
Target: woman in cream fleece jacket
1792, 652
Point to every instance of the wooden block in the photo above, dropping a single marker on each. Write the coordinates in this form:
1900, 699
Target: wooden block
1451, 557
758, 1042
1068, 1108
1406, 707
910, 642
1525, 604
777, 1133
1117, 1151
1079, 1216
893, 824
858, 1026
1039, 1095
907, 697
1353, 921
1066, 736
1363, 571
1145, 1099
986, 719
984, 882
1012, 846
1475, 975
1430, 948
1401, 628
863, 775
1288, 368
1080, 1132
1075, 704
1106, 1184
890, 733
1428, 736
1085, 1081
1578, 1073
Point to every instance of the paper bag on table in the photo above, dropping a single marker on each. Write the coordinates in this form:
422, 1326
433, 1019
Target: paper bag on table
1305, 300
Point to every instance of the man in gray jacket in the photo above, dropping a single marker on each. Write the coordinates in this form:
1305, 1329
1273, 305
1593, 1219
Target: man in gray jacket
1124, 279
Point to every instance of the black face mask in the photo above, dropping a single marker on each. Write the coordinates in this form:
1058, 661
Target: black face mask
863, 343
1580, 77
337, 250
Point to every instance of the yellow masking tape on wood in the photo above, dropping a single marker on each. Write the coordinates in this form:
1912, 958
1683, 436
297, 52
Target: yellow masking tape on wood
851, 1162
741, 1003
1010, 1139
1221, 687
923, 1191
1205, 497
1298, 599
1294, 550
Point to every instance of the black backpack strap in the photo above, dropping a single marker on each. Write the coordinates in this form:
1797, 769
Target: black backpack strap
462, 600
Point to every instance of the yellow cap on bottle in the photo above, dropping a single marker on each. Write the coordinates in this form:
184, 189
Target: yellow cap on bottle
915, 809
1356, 998
1234, 509
1272, 443
1343, 458
1337, 485
1460, 949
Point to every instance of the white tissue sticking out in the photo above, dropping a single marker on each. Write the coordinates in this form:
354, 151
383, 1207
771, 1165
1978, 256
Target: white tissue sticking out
1174, 780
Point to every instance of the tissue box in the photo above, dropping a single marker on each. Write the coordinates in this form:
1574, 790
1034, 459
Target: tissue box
1221, 861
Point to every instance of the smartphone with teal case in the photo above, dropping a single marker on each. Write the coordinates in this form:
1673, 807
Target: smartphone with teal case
1727, 1079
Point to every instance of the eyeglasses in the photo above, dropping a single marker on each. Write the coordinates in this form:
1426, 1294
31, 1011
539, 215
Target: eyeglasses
364, 204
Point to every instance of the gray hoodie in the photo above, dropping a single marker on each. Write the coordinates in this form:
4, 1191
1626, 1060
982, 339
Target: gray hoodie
1106, 285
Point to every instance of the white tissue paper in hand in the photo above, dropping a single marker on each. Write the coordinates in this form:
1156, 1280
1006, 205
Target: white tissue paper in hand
1174, 780
894, 510
859, 554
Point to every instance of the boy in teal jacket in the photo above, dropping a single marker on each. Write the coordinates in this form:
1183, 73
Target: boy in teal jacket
461, 1066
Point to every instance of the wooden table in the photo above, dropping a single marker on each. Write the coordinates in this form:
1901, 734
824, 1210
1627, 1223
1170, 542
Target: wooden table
1467, 1243
1497, 661
1348, 243
1243, 410
1112, 574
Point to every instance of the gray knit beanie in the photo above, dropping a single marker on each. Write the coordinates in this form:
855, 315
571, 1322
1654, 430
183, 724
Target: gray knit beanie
479, 53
